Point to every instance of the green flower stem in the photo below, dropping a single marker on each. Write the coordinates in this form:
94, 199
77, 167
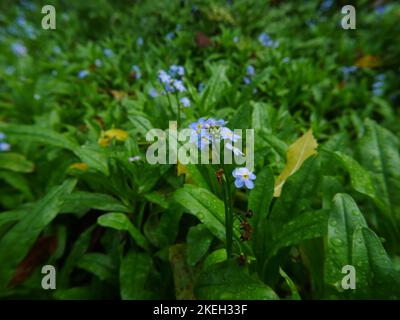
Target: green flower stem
228, 217
169, 102
179, 109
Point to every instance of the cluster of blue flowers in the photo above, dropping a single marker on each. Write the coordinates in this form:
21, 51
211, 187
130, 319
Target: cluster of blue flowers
249, 73
267, 41
173, 79
4, 146
208, 131
377, 87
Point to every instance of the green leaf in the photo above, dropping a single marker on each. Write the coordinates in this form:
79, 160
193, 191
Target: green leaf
295, 293
228, 281
94, 157
216, 256
344, 219
82, 201
23, 234
134, 272
78, 250
15, 162
214, 87
375, 274
205, 206
261, 196
297, 192
157, 198
99, 264
37, 134
379, 153
162, 231
120, 221
360, 178
259, 202
198, 242
308, 225
17, 181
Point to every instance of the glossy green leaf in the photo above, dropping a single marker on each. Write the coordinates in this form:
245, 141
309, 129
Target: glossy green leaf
82, 201
23, 234
375, 273
38, 135
205, 206
15, 162
379, 153
198, 242
228, 281
344, 219
99, 264
133, 276
120, 221
360, 178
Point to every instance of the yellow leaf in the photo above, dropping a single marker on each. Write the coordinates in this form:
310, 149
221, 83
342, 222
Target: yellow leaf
181, 169
103, 141
368, 61
118, 95
118, 134
79, 166
297, 153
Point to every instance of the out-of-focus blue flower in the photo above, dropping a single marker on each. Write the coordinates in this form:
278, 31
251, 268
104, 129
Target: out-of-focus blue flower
83, 74
137, 71
176, 70
380, 9
347, 70
246, 80
152, 92
164, 77
108, 52
185, 101
10, 70
18, 49
57, 50
134, 159
267, 41
236, 39
228, 134
250, 70
378, 86
236, 151
326, 5
170, 35
4, 146
243, 178
2, 136
285, 59
29, 5
200, 87
178, 85
311, 23
139, 41
98, 63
